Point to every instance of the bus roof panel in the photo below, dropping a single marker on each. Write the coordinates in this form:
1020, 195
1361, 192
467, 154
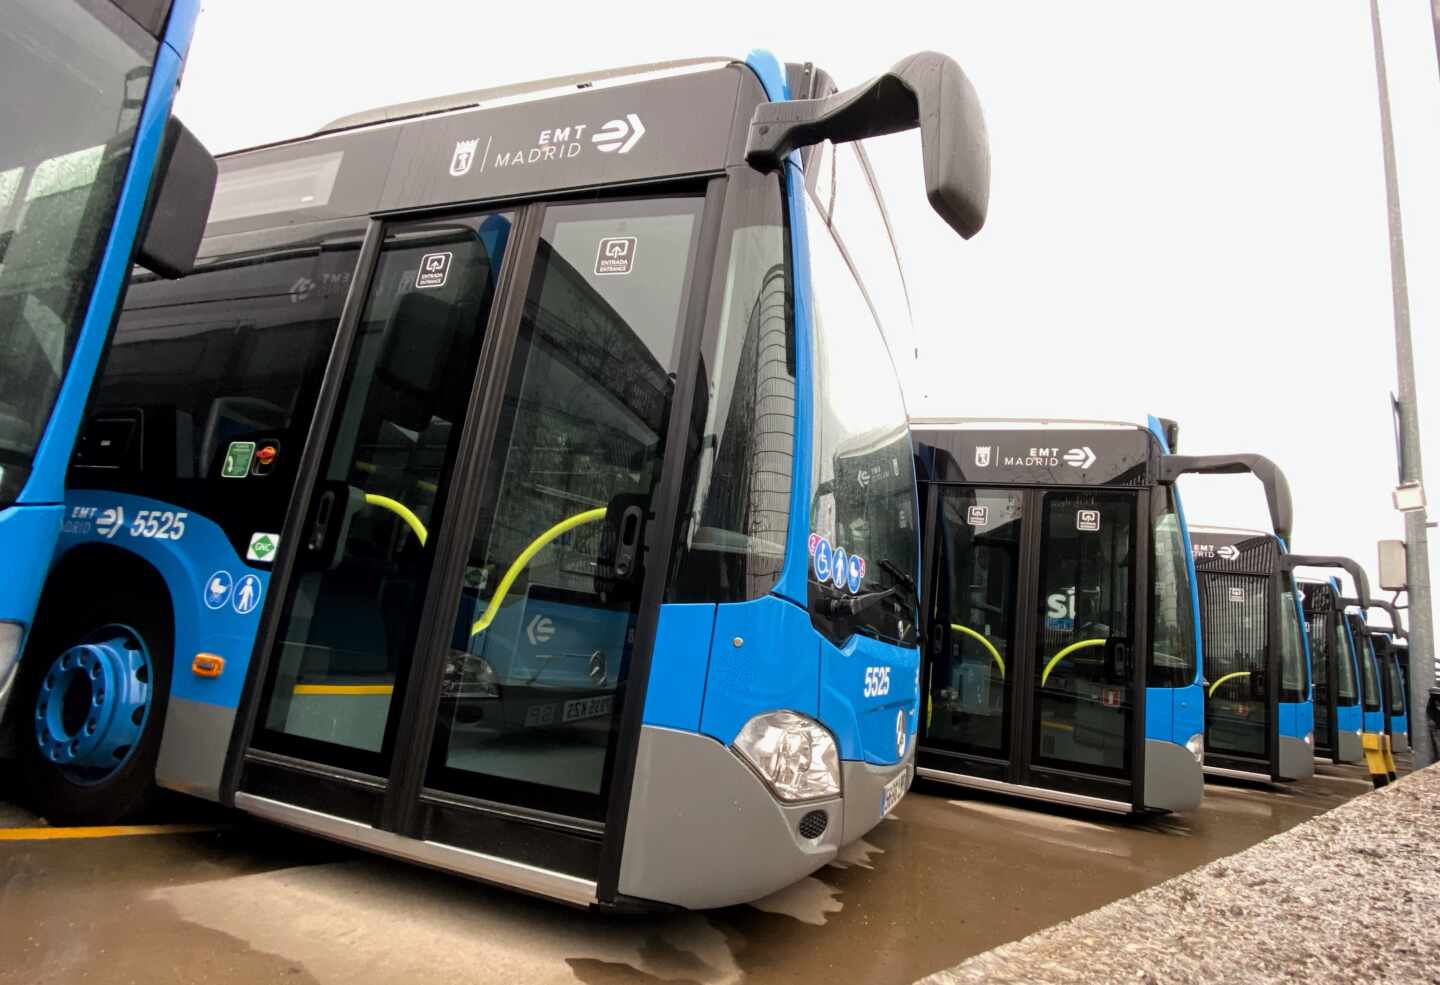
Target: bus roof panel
668, 127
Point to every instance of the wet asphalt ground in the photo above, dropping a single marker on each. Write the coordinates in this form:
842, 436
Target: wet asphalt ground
210, 896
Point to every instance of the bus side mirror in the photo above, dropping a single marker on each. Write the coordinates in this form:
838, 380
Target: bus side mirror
1277, 487
928, 90
180, 205
1290, 562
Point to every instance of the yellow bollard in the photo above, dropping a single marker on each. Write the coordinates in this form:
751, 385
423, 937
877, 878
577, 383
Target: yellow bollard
1375, 758
1389, 758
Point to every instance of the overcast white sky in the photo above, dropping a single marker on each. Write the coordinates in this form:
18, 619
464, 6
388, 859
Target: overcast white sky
1187, 212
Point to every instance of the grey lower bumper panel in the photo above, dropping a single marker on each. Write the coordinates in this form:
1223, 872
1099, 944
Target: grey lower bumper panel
192, 748
1173, 778
1297, 758
1350, 748
1400, 742
704, 831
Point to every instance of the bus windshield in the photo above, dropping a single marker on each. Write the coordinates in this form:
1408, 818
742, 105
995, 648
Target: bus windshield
1172, 648
62, 164
1344, 667
1294, 682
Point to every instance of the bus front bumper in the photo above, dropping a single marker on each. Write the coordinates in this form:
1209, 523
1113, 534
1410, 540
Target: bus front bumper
27, 542
1174, 779
705, 831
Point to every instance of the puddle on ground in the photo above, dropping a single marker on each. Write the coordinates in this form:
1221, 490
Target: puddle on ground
376, 921
857, 853
809, 901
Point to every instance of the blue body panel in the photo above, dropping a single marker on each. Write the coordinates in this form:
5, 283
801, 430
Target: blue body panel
776, 665
28, 530
1176, 714
1348, 718
679, 665
188, 565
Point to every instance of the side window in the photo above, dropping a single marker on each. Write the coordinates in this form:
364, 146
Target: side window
1172, 640
858, 219
1294, 681
741, 442
206, 371
863, 531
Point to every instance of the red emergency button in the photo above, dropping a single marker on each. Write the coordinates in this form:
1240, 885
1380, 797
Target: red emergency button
267, 454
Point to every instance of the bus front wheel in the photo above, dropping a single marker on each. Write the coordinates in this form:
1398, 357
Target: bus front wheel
91, 708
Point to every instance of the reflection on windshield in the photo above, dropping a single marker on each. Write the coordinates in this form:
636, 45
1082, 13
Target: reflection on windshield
62, 164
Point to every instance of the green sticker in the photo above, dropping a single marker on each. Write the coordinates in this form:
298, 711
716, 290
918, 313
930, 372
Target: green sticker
262, 546
237, 460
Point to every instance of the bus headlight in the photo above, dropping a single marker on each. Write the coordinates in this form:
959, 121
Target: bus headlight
795, 755
1309, 738
1196, 745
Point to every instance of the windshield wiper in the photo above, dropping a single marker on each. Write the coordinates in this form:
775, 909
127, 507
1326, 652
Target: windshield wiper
851, 604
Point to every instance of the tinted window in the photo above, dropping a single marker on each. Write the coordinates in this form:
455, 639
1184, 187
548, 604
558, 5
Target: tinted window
731, 542
1345, 689
75, 77
863, 504
972, 642
859, 222
230, 356
1370, 674
1084, 668
1397, 688
1172, 643
1294, 679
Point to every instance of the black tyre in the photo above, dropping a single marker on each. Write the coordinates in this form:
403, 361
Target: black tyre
90, 709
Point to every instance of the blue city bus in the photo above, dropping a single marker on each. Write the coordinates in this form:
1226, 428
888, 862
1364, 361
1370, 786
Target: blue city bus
1390, 647
1062, 629
95, 174
1260, 712
1336, 671
521, 486
1375, 696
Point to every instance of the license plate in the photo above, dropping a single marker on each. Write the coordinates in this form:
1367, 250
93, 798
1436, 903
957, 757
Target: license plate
582, 708
894, 790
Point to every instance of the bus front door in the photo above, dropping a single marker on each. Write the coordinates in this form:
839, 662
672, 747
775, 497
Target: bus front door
454, 642
1031, 677
1240, 727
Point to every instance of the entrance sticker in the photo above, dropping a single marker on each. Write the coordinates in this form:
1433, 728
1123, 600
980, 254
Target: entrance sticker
1237, 595
237, 460
262, 547
977, 516
434, 269
247, 595
616, 255
1087, 520
217, 589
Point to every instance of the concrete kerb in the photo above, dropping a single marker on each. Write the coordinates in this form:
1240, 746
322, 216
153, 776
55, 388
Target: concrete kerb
1348, 896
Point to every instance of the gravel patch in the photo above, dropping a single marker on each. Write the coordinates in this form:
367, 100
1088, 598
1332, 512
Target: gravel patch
1350, 896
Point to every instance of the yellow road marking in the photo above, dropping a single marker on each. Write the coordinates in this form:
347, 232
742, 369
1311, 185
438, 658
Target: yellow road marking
344, 689
114, 831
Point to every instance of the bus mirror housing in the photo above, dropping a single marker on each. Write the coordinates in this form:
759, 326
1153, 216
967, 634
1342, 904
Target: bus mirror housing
926, 90
1277, 487
1289, 562
180, 204
1397, 625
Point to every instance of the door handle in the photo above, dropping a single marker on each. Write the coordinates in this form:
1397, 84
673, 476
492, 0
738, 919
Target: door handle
324, 509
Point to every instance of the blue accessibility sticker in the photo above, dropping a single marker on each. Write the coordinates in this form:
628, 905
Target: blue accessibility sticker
217, 589
838, 576
855, 572
823, 558
247, 595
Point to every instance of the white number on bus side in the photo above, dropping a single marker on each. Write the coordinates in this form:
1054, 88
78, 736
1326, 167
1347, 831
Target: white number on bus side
158, 524
877, 681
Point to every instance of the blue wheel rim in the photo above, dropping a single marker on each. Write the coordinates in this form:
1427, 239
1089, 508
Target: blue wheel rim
93, 704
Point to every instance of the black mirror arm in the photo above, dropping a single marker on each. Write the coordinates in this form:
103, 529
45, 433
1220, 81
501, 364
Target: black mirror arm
1277, 487
1290, 562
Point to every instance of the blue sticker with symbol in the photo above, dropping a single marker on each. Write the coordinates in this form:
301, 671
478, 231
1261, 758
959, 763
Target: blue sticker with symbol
856, 572
822, 560
217, 589
247, 595
838, 576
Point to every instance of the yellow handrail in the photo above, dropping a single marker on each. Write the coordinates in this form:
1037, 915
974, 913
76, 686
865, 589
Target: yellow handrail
513, 572
983, 642
400, 510
1045, 675
1235, 673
